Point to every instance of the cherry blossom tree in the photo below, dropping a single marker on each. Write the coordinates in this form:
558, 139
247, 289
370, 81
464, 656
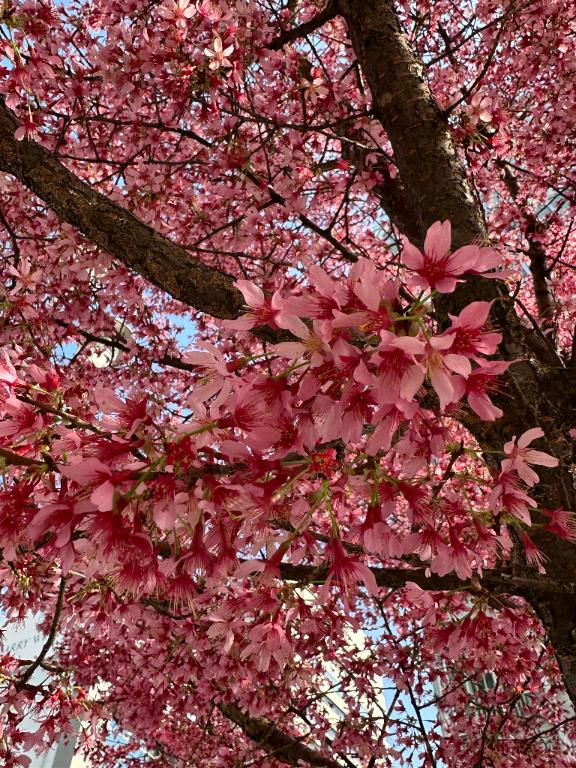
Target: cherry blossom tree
287, 381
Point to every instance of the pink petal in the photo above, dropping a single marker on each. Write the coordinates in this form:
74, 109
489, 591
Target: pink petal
67, 555
244, 323
164, 514
446, 285
464, 259
443, 387
441, 342
321, 281
362, 375
474, 315
411, 381
531, 434
368, 578
381, 438
411, 256
438, 239
103, 497
248, 567
86, 471
543, 459
458, 364
409, 344
368, 294
290, 349
487, 259
9, 427
252, 293
525, 473
293, 324
483, 406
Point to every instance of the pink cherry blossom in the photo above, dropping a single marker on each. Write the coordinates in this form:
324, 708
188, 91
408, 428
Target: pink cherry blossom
480, 109
315, 89
177, 11
436, 361
311, 343
8, 376
268, 642
347, 571
19, 418
562, 523
437, 268
534, 557
285, 536
264, 310
468, 329
519, 456
507, 497
93, 473
477, 385
218, 55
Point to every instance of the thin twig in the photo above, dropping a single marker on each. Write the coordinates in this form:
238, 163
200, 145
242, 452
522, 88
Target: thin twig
49, 640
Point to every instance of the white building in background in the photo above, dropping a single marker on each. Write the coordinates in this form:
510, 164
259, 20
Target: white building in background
333, 703
104, 355
25, 642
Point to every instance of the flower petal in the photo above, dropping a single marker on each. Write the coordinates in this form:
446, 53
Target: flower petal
438, 238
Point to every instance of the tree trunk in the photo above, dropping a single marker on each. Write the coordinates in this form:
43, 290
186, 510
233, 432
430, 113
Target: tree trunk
435, 181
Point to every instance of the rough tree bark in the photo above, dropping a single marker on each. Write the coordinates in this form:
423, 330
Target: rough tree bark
115, 229
434, 178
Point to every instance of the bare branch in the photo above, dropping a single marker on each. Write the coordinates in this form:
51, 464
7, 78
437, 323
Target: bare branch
16, 460
493, 581
115, 229
467, 91
328, 12
538, 268
540, 274
288, 749
13, 237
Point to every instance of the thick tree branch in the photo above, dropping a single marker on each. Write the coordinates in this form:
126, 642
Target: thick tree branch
493, 581
396, 203
423, 148
430, 172
280, 745
115, 229
435, 181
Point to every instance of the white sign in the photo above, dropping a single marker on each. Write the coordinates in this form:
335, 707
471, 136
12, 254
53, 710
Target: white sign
25, 641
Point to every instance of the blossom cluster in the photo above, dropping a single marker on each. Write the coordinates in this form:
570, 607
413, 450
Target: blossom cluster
223, 520
341, 429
